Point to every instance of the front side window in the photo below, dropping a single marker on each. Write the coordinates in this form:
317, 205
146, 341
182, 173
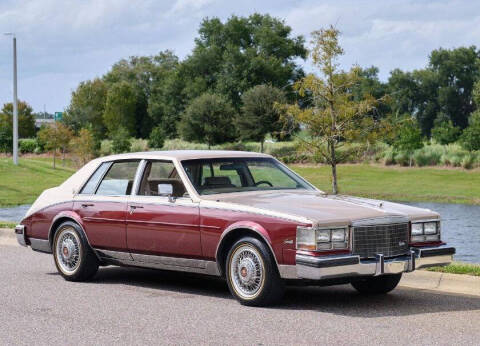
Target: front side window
211, 176
119, 179
158, 174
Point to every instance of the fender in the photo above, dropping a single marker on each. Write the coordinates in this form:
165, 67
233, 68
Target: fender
68, 214
253, 226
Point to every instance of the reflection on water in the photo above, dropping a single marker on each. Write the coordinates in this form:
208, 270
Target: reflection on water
14, 214
460, 226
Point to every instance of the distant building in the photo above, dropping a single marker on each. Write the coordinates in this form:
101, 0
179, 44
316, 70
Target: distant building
39, 122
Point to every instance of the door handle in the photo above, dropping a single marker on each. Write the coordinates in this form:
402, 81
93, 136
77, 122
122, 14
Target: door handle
85, 205
133, 207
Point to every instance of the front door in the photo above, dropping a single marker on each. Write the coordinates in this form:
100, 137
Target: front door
163, 225
102, 204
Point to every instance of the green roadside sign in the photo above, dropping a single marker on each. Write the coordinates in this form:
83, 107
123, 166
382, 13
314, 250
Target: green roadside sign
58, 116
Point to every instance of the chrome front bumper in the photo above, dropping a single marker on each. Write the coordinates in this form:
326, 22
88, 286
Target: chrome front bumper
333, 267
20, 233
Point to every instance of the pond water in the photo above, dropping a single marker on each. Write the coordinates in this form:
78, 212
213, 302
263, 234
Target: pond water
460, 226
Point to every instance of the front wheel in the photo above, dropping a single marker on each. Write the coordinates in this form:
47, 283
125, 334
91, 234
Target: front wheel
73, 257
378, 284
252, 274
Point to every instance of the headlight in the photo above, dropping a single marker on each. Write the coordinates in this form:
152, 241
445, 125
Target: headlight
322, 239
426, 231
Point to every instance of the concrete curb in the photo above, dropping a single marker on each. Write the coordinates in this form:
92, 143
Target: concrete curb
442, 282
420, 279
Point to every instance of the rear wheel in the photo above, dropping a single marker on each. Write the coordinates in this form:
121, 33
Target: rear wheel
252, 275
378, 284
74, 258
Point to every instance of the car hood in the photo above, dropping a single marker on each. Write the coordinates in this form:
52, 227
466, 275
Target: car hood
319, 208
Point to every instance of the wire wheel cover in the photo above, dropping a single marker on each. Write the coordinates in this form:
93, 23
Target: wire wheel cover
68, 250
247, 273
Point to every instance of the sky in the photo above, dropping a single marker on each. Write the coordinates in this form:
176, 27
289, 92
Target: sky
63, 42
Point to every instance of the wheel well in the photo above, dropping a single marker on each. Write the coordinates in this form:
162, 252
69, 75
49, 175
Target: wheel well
231, 238
53, 229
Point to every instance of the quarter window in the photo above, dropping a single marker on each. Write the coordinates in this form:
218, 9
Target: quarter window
119, 179
91, 185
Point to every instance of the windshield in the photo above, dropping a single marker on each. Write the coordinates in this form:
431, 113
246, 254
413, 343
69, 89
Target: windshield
223, 175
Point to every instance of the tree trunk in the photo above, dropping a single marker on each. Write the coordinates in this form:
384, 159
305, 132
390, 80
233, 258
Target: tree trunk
334, 168
54, 154
63, 157
261, 145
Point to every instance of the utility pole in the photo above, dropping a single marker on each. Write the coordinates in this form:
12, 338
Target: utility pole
15, 103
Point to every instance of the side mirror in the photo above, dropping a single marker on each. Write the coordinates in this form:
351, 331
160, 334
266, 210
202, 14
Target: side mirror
166, 190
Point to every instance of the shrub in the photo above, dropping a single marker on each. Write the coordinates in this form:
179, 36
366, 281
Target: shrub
138, 144
468, 160
121, 141
27, 145
445, 132
470, 138
157, 138
428, 156
402, 158
106, 147
389, 156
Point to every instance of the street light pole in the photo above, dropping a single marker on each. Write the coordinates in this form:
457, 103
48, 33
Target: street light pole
15, 103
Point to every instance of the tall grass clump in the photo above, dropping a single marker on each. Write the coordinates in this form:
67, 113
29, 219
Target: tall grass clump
429, 155
106, 147
138, 144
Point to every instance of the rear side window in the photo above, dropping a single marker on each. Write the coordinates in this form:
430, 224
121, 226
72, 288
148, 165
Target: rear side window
119, 179
91, 185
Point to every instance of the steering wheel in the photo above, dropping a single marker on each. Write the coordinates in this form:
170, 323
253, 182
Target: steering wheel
263, 182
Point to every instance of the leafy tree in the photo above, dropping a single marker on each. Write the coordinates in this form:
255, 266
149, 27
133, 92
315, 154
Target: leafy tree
334, 116
157, 138
445, 86
456, 70
409, 137
444, 132
83, 146
259, 116
120, 108
208, 119
121, 141
26, 119
55, 136
370, 85
470, 139
87, 107
6, 138
230, 58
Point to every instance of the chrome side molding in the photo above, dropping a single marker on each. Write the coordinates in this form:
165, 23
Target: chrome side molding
190, 265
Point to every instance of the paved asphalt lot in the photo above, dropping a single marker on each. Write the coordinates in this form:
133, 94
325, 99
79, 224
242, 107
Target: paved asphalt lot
137, 306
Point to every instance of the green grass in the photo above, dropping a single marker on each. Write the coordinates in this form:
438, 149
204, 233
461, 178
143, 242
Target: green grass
23, 183
399, 183
458, 268
7, 224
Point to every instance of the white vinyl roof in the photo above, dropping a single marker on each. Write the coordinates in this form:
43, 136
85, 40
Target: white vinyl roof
183, 155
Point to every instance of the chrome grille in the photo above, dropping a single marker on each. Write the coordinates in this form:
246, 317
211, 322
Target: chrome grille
389, 240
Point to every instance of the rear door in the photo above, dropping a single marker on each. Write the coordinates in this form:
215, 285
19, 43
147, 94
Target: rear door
162, 225
102, 204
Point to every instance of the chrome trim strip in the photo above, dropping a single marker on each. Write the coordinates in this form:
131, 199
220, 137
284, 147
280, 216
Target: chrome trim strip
41, 245
118, 255
384, 220
160, 262
164, 223
90, 218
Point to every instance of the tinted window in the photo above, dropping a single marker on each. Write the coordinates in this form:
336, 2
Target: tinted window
92, 183
119, 179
